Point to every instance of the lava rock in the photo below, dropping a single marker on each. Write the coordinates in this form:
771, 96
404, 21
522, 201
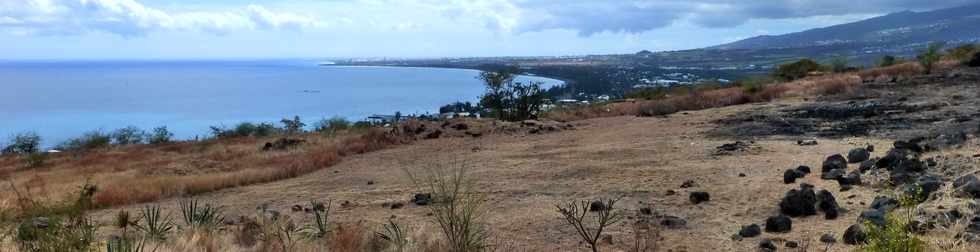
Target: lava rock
806, 142
646, 211
41, 222
397, 205
968, 186
673, 222
833, 163
799, 202
749, 231
884, 203
855, 235
803, 169
297, 208
670, 192
874, 216
790, 176
596, 206
975, 61
867, 165
906, 171
779, 224
858, 155
792, 244
853, 178
688, 184
422, 199
698, 197
834, 174
767, 245
828, 204
929, 184
828, 238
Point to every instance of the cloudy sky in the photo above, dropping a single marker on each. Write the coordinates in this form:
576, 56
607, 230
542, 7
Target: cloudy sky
158, 29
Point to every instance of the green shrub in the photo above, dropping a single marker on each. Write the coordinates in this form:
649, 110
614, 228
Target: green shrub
651, 93
128, 135
332, 125
58, 226
931, 56
160, 135
755, 84
796, 70
898, 233
23, 143
505, 99
293, 126
887, 61
153, 224
89, 141
205, 217
245, 129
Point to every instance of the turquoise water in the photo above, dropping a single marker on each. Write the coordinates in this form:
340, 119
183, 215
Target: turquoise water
59, 100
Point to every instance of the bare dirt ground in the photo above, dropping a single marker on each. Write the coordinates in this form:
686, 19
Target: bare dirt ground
637, 159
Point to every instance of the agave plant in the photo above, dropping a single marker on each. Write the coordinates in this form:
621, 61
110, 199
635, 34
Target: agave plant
154, 225
199, 215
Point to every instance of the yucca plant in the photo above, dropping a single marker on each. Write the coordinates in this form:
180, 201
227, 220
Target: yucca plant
393, 234
321, 213
127, 244
153, 224
204, 216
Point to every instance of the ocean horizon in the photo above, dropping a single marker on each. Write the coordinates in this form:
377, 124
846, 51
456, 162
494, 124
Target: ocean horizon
60, 100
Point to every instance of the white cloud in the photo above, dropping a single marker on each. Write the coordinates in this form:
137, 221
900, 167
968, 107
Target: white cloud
132, 18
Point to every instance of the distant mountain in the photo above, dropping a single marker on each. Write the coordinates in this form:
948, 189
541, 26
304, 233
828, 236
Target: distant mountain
896, 32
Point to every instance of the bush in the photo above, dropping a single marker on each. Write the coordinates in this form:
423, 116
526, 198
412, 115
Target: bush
647, 93
128, 135
24, 143
245, 129
459, 206
55, 227
931, 56
205, 217
754, 85
898, 233
589, 219
796, 70
332, 125
89, 141
887, 61
293, 126
160, 135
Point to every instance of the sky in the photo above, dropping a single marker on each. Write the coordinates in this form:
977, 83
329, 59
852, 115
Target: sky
220, 29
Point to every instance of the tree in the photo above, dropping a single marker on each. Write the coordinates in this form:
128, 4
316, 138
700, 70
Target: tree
590, 219
932, 55
23, 143
494, 98
796, 70
509, 100
293, 126
887, 61
160, 135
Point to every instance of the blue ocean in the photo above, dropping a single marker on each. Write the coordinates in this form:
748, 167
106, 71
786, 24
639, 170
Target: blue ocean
63, 99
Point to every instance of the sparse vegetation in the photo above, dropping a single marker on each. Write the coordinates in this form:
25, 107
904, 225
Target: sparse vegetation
205, 217
898, 233
458, 208
887, 61
92, 140
331, 126
931, 56
23, 143
153, 224
293, 126
590, 219
796, 70
160, 135
128, 135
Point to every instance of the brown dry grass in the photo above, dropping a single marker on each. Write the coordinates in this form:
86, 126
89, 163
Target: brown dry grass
146, 173
843, 83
